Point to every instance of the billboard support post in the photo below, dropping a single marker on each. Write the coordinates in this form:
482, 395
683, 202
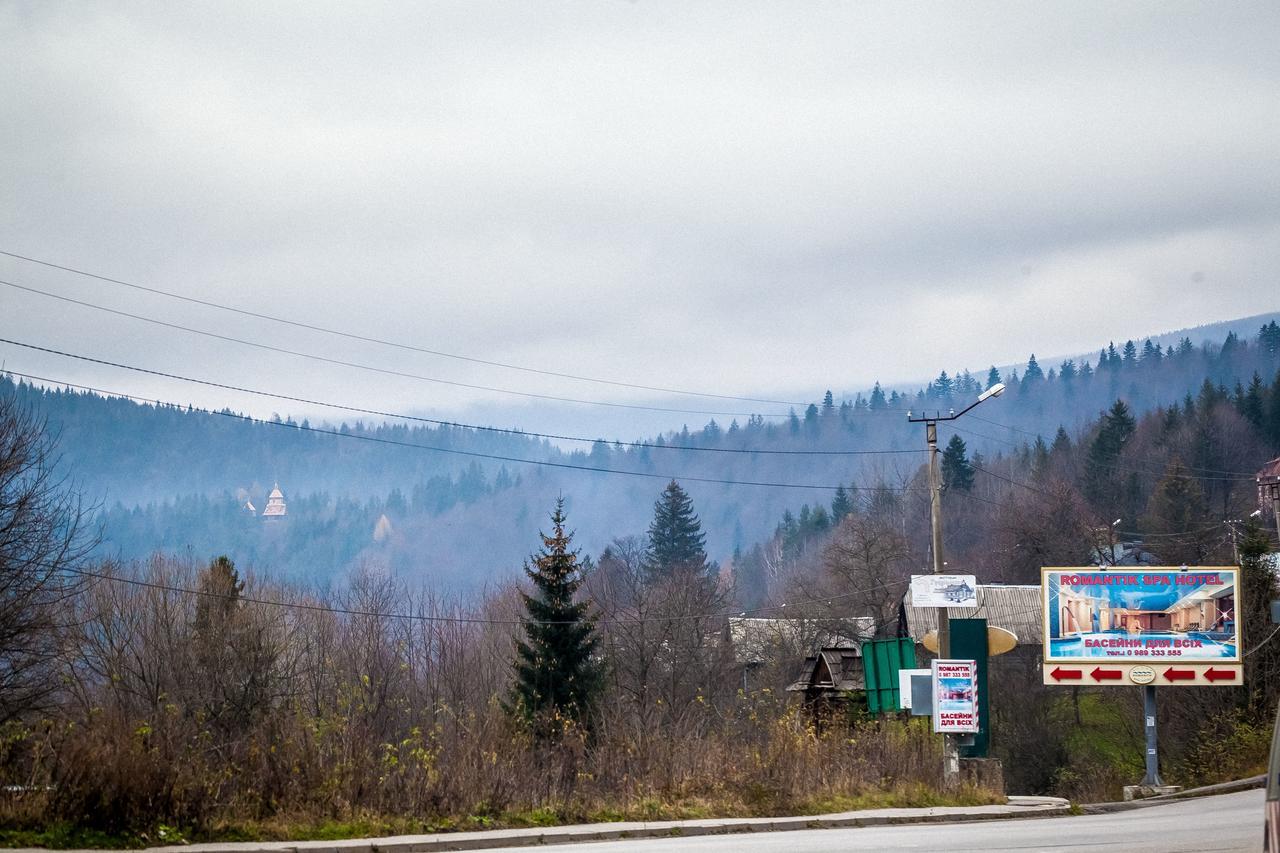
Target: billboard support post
1153, 758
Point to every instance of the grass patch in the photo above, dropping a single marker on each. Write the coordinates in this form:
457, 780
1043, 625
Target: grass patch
753, 801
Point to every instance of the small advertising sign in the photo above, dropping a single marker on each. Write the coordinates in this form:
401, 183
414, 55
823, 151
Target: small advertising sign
955, 696
944, 591
1160, 625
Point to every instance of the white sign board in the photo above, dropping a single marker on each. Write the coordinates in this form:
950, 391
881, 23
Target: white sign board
944, 591
955, 696
904, 685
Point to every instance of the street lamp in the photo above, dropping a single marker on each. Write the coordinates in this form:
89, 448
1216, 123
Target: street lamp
951, 753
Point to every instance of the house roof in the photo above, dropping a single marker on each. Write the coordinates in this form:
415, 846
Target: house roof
757, 640
831, 670
1270, 471
1015, 608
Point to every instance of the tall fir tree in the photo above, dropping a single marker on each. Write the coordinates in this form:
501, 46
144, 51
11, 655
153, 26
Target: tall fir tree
877, 398
1177, 515
676, 540
1130, 357
1271, 420
957, 473
1033, 373
558, 679
1102, 481
841, 505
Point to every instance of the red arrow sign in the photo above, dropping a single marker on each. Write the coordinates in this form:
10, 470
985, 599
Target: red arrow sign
1060, 674
1219, 674
1180, 674
1100, 674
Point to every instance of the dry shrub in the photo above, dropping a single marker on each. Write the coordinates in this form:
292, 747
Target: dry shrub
207, 717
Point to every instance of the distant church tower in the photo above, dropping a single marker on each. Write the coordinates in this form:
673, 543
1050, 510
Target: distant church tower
275, 507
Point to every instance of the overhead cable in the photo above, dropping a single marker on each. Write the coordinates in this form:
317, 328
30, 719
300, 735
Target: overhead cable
435, 421
468, 453
368, 367
389, 343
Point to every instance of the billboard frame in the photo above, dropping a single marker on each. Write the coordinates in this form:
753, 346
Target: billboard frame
1233, 572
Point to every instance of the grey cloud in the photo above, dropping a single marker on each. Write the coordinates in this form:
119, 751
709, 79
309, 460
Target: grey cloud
749, 198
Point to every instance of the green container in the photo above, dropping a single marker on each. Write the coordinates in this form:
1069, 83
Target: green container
881, 661
969, 642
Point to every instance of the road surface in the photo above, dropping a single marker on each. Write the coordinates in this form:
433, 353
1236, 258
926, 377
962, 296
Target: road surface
1229, 822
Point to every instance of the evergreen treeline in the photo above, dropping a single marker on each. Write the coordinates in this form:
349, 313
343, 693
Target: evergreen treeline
173, 478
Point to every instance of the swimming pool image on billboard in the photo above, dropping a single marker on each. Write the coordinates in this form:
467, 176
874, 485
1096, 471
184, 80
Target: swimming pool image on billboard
955, 694
1141, 615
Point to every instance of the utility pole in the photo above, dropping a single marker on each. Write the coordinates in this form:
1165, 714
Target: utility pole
950, 747
1269, 489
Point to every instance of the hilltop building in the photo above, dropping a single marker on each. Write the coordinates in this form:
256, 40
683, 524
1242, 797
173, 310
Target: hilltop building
276, 507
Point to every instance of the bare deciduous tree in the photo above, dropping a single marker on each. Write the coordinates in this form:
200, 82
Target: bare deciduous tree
42, 534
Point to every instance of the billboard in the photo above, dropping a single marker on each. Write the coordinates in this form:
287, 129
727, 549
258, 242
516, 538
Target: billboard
955, 696
944, 591
1162, 624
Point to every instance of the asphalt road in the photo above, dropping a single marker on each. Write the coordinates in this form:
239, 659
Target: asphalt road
1229, 822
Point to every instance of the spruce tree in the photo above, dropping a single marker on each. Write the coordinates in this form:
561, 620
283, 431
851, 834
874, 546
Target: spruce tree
676, 540
1034, 374
841, 505
957, 473
1271, 422
1101, 479
557, 677
1177, 514
877, 398
1130, 357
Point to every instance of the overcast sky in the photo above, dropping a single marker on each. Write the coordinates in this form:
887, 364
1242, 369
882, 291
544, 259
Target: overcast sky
752, 199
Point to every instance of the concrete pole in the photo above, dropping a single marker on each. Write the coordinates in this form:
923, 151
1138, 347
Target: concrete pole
950, 749
935, 519
1153, 759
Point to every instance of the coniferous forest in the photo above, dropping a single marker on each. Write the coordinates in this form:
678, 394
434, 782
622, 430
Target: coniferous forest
429, 502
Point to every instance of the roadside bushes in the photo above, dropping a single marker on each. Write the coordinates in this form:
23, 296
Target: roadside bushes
216, 711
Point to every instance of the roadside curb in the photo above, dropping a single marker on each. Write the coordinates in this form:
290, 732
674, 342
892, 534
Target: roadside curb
1164, 799
1018, 808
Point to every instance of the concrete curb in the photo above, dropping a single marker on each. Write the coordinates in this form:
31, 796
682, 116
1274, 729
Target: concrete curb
1017, 808
1207, 791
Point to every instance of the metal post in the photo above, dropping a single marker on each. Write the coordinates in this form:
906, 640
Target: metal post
1153, 759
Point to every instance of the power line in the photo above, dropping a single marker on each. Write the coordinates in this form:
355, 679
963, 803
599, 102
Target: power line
375, 412
468, 620
384, 342
369, 367
458, 452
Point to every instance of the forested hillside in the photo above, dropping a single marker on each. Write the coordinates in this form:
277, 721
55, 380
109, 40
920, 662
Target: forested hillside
452, 505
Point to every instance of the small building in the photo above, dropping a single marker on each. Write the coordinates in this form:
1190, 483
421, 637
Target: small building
276, 507
249, 509
758, 642
1269, 486
1125, 554
829, 674
1014, 607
